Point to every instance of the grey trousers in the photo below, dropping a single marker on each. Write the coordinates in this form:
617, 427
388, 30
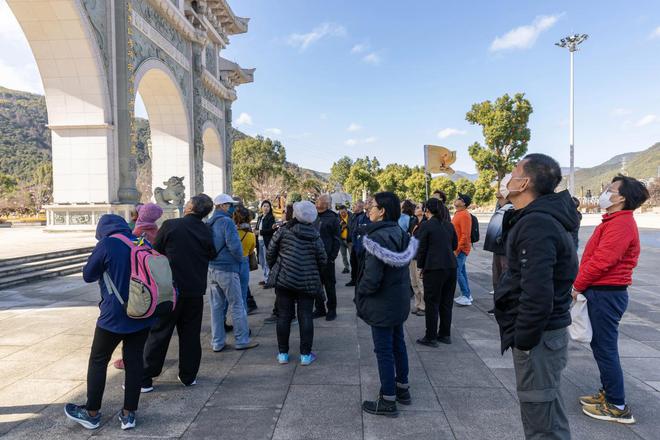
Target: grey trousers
538, 379
343, 249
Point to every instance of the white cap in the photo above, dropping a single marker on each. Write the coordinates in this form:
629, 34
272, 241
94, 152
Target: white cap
222, 199
305, 212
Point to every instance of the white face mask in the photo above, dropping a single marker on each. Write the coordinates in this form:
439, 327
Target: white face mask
604, 200
503, 186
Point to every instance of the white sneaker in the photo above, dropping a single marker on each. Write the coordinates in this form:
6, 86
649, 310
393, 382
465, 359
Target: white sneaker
463, 301
142, 389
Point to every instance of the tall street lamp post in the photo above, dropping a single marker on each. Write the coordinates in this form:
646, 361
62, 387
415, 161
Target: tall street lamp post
572, 42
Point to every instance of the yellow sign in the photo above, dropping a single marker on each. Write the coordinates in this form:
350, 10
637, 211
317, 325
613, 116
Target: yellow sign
438, 159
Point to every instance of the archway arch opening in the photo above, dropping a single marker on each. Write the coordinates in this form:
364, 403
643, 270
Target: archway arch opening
214, 161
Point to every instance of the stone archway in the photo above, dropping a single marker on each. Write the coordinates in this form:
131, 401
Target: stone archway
73, 74
171, 151
214, 161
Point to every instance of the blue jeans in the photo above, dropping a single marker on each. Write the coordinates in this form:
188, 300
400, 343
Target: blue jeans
461, 274
606, 307
244, 276
262, 259
390, 349
225, 288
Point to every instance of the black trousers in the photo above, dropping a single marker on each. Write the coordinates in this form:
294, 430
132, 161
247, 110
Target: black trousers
286, 301
251, 303
103, 345
354, 265
187, 319
329, 280
439, 287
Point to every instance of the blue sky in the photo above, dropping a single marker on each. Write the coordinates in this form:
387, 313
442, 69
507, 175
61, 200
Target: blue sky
377, 77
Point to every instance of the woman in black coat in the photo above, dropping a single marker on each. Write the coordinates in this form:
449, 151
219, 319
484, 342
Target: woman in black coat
264, 231
295, 256
436, 259
382, 297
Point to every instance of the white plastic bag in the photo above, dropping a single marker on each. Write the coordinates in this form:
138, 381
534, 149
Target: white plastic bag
580, 329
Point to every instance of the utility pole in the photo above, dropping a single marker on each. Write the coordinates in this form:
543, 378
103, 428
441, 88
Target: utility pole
571, 42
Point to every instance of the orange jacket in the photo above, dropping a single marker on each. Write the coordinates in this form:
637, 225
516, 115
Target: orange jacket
462, 222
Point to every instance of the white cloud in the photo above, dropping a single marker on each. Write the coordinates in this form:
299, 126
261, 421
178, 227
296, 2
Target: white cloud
524, 37
354, 127
303, 41
275, 131
655, 33
243, 119
370, 140
351, 142
648, 119
359, 48
447, 132
621, 111
372, 58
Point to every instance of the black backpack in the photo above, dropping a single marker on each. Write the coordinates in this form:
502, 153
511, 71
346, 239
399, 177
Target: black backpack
474, 233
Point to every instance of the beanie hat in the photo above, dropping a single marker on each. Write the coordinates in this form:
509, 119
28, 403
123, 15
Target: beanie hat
305, 212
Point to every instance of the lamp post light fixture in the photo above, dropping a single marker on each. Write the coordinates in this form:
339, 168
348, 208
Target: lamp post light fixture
571, 42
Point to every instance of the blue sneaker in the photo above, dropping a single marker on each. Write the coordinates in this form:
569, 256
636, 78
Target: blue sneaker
283, 358
306, 359
127, 421
79, 414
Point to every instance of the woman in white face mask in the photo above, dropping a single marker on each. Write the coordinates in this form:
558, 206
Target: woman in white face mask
604, 276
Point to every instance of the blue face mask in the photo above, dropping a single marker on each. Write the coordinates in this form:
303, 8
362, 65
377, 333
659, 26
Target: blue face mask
231, 209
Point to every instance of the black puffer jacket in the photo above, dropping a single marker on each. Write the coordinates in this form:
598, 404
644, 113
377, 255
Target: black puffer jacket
382, 294
493, 241
534, 294
295, 255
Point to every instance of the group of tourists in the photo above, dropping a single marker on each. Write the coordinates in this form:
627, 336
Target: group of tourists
395, 252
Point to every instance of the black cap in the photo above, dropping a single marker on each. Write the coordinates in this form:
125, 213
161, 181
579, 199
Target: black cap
466, 199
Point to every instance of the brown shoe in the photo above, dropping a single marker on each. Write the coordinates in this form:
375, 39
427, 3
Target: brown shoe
596, 399
610, 413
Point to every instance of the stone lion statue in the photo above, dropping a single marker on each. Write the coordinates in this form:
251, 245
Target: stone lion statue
173, 194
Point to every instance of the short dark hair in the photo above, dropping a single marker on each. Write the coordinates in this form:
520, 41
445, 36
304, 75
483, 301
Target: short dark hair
340, 207
390, 203
202, 205
543, 171
437, 209
466, 199
288, 212
241, 215
442, 195
408, 208
633, 190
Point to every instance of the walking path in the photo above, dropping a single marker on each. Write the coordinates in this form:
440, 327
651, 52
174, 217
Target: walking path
463, 391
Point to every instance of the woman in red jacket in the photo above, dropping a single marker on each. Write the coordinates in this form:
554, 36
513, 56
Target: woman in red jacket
604, 276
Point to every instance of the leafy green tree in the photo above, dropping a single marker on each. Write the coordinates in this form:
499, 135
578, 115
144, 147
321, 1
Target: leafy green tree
393, 178
293, 197
416, 186
360, 180
340, 170
484, 190
370, 164
445, 184
42, 188
310, 188
8, 184
506, 135
465, 186
259, 166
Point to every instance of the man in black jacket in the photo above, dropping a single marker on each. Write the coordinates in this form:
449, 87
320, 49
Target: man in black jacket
493, 241
188, 245
353, 224
533, 298
328, 226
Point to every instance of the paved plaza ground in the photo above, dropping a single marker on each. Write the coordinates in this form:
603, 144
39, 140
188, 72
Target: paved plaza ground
463, 391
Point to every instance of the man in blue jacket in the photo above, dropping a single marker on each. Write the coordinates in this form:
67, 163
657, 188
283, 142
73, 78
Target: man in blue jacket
113, 326
224, 281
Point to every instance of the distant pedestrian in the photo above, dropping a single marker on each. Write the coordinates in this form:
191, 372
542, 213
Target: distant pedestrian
462, 222
605, 273
382, 298
357, 217
407, 213
415, 279
111, 256
296, 256
344, 217
146, 225
224, 279
532, 300
493, 241
328, 226
264, 232
248, 243
576, 232
436, 259
188, 245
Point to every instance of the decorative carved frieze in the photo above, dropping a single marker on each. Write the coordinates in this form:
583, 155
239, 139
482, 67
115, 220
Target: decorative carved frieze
216, 87
211, 108
174, 16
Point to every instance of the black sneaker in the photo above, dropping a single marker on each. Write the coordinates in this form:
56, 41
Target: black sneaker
444, 339
403, 396
272, 319
319, 314
350, 284
331, 316
380, 407
427, 342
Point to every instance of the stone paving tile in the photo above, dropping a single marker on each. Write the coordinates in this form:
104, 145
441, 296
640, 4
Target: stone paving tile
458, 370
411, 425
233, 424
329, 370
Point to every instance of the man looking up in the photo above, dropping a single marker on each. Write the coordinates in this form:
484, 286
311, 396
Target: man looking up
462, 222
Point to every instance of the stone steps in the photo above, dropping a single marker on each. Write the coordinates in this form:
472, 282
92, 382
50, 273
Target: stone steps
32, 268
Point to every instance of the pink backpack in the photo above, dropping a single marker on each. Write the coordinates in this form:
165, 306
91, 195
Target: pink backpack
151, 290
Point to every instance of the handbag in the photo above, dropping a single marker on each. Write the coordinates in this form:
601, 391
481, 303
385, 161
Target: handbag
254, 264
580, 329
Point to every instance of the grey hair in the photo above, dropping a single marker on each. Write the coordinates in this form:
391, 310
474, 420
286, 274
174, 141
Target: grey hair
305, 212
